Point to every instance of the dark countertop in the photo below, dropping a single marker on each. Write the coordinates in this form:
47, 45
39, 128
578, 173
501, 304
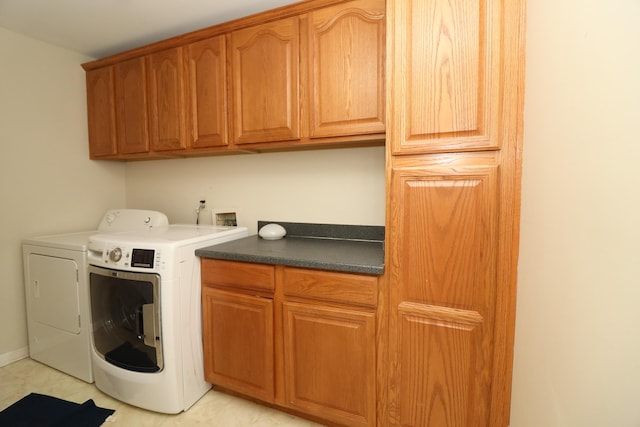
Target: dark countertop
315, 246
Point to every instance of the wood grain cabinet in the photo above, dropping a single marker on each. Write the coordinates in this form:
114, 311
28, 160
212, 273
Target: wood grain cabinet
330, 350
265, 89
308, 74
238, 333
131, 106
446, 77
238, 337
299, 338
137, 106
101, 112
454, 136
345, 53
330, 362
444, 294
207, 88
319, 75
166, 93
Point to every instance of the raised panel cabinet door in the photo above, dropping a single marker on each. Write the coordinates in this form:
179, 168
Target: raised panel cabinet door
443, 293
265, 89
346, 57
101, 112
446, 74
238, 342
166, 92
330, 363
131, 106
207, 76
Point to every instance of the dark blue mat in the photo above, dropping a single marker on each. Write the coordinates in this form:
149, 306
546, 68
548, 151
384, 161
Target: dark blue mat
39, 410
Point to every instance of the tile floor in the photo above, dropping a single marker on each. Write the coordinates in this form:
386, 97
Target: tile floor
213, 409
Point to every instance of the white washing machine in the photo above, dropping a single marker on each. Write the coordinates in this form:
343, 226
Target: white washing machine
146, 314
57, 291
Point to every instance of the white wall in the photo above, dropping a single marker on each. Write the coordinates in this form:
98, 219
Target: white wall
577, 355
577, 351
48, 183
344, 186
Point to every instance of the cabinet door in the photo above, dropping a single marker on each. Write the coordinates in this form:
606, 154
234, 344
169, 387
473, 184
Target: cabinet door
346, 51
207, 76
446, 82
264, 72
330, 363
101, 112
238, 342
166, 93
443, 292
131, 106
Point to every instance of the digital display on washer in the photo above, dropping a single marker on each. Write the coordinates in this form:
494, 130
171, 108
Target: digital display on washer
142, 258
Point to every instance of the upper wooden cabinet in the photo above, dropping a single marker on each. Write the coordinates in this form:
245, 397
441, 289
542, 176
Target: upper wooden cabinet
345, 61
166, 97
320, 75
265, 91
207, 86
314, 76
164, 102
446, 75
101, 112
131, 106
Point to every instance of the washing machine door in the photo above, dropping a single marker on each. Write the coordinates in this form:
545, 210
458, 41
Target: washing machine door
125, 309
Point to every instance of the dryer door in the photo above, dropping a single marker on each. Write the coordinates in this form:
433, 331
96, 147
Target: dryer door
125, 311
53, 291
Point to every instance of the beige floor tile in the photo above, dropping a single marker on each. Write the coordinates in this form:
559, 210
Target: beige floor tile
212, 410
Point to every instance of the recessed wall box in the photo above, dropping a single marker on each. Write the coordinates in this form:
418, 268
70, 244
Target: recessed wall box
224, 217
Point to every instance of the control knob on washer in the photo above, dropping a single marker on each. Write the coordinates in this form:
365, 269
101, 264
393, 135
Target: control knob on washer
115, 254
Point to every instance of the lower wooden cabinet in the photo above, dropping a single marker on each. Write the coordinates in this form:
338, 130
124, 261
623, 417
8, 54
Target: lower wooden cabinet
238, 337
301, 339
329, 358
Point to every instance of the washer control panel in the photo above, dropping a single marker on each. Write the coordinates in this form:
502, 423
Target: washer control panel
122, 257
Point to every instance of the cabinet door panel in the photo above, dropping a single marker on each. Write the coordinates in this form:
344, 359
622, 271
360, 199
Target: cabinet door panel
206, 64
448, 238
443, 294
346, 71
238, 342
264, 67
101, 112
330, 362
166, 100
446, 80
440, 360
131, 106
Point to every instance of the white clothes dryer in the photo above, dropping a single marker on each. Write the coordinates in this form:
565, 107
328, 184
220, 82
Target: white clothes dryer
57, 291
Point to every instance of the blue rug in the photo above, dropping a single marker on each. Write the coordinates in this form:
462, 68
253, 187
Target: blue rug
39, 410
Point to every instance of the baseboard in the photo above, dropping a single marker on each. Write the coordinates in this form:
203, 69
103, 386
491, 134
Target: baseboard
13, 356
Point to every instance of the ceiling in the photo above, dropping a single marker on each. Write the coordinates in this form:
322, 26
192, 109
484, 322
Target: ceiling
98, 28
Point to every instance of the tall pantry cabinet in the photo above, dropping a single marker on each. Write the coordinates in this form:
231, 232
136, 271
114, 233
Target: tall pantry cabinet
454, 128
